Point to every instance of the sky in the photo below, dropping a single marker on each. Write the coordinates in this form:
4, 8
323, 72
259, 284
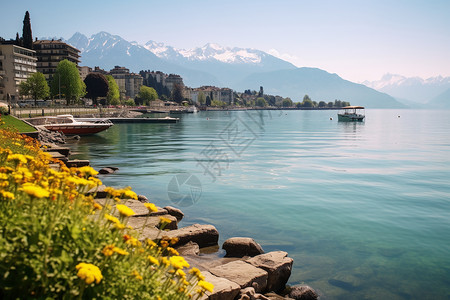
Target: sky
358, 40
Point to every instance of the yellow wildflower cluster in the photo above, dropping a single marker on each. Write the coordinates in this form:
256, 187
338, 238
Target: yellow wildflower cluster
72, 235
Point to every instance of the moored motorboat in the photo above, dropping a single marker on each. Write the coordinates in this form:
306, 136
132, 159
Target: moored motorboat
68, 125
351, 114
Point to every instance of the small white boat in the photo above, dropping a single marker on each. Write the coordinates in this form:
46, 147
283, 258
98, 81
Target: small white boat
351, 114
68, 125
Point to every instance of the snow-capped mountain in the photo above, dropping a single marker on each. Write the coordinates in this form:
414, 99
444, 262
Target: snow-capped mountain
411, 88
208, 52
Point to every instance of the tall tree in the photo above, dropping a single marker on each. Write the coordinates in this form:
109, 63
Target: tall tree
113, 91
147, 94
96, 86
177, 93
26, 32
201, 98
208, 101
67, 80
35, 86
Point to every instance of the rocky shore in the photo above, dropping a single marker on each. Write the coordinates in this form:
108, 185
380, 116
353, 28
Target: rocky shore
246, 272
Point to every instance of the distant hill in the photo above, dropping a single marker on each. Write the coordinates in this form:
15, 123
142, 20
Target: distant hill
319, 85
236, 68
414, 89
441, 101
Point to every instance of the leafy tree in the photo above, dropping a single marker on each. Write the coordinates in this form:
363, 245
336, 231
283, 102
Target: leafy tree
306, 97
287, 102
298, 104
177, 93
218, 103
307, 102
322, 104
201, 98
147, 94
330, 104
345, 103
208, 101
260, 102
67, 78
35, 86
337, 103
96, 86
113, 95
130, 102
26, 32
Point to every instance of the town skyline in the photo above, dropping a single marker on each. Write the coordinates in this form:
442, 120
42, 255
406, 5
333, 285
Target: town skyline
358, 41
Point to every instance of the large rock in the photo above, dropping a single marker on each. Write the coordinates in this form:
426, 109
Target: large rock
203, 235
189, 248
152, 222
177, 213
140, 210
241, 246
106, 170
278, 267
224, 289
303, 293
244, 274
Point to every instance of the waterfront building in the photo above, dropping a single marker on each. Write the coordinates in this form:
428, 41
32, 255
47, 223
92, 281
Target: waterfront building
215, 93
129, 83
16, 65
158, 78
84, 71
50, 52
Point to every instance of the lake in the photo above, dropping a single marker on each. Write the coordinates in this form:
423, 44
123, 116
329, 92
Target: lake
362, 208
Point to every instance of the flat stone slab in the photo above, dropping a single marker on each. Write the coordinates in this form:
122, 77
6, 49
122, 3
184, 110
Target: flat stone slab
203, 235
140, 210
244, 274
224, 289
278, 267
152, 221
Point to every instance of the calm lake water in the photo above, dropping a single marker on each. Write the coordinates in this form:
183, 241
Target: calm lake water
363, 208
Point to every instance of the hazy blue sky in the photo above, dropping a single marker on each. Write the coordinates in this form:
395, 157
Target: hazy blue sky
358, 40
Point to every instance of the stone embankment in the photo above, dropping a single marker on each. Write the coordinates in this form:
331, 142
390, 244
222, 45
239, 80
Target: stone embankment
245, 273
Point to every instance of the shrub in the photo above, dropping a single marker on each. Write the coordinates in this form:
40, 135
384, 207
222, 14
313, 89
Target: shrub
57, 242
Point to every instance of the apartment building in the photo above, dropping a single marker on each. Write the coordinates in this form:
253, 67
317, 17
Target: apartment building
222, 94
129, 83
16, 65
50, 52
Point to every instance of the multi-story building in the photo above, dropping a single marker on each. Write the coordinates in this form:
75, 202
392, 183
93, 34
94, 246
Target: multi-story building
222, 94
173, 80
50, 52
16, 65
167, 81
129, 83
84, 71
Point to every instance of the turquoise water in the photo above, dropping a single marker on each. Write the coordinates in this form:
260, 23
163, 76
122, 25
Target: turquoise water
363, 208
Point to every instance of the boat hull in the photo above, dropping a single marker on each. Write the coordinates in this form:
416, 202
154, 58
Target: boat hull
350, 118
77, 129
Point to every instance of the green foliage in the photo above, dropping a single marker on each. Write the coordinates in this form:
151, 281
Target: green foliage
147, 94
113, 96
208, 101
67, 78
129, 102
218, 103
35, 86
287, 102
56, 242
177, 93
261, 102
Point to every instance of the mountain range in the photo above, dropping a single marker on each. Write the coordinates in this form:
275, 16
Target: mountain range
236, 68
416, 92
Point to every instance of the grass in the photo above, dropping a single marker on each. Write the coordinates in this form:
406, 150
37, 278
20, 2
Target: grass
15, 124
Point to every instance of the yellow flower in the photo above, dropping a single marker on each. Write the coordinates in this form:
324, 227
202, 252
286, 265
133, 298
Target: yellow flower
133, 242
197, 273
124, 210
89, 273
17, 157
151, 207
178, 262
129, 194
87, 171
172, 251
153, 260
120, 251
108, 250
137, 275
112, 219
7, 195
151, 243
208, 286
97, 206
180, 273
34, 190
112, 191
165, 261
164, 221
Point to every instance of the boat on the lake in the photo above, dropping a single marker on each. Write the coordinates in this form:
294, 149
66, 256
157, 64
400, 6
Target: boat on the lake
351, 114
69, 125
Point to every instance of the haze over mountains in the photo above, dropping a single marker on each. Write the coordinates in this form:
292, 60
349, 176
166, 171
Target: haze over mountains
242, 69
